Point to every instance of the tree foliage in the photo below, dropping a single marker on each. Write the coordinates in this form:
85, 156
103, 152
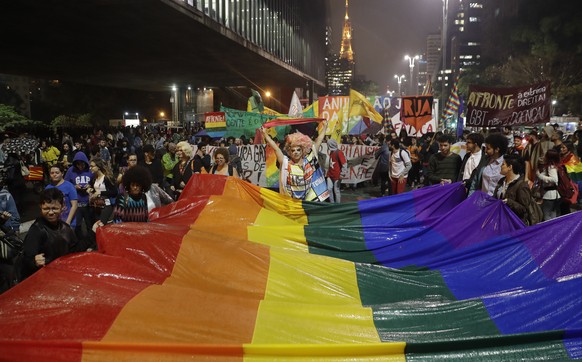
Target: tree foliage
64, 121
12, 120
366, 87
545, 44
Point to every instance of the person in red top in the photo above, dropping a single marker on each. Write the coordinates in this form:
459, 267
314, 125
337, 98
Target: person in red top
337, 162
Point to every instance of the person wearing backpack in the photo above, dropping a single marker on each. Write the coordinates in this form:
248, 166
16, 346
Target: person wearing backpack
400, 165
514, 191
549, 176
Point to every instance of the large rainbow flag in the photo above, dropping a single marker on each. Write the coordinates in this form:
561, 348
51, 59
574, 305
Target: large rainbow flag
234, 272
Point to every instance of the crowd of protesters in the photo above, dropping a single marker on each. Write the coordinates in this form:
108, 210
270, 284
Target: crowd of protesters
119, 174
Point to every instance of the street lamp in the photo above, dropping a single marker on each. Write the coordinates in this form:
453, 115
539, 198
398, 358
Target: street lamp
411, 65
399, 78
444, 51
268, 96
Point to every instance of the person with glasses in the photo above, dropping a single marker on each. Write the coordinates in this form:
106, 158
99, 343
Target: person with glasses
49, 237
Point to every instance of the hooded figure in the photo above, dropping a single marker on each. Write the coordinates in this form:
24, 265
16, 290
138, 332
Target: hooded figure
79, 175
540, 149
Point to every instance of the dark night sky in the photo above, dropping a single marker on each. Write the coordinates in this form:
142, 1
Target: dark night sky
383, 32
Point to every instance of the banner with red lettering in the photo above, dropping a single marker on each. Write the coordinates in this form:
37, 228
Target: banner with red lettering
497, 107
214, 120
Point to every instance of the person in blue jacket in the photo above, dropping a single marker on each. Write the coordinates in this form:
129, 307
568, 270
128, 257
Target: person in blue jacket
80, 176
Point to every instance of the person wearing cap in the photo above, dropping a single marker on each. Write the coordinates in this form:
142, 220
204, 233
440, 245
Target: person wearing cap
545, 144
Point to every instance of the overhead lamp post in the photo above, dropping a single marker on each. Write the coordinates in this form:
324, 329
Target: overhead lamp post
444, 51
411, 65
268, 95
399, 78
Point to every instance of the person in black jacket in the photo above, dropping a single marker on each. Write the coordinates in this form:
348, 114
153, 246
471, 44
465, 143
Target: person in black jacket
201, 159
183, 169
102, 192
48, 237
153, 165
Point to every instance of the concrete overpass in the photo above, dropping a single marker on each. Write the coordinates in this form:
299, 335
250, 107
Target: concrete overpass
139, 44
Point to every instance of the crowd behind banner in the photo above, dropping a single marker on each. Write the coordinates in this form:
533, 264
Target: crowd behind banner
392, 161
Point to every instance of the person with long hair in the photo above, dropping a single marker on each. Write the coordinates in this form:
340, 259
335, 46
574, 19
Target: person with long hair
182, 172
102, 192
549, 176
301, 175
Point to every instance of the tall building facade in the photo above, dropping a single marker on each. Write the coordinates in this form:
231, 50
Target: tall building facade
340, 67
433, 55
498, 20
467, 35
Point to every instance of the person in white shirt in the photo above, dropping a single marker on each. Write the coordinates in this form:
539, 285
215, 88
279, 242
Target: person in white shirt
488, 173
549, 176
495, 148
473, 157
400, 165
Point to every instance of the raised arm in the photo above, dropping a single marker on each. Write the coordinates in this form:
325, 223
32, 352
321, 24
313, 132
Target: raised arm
270, 142
321, 135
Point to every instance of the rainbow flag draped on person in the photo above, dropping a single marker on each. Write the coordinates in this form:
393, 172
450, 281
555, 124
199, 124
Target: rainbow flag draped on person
234, 272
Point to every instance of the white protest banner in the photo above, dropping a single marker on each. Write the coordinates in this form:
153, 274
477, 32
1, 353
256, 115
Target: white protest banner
360, 158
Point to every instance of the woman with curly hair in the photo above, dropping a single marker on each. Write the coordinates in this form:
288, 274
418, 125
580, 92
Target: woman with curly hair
132, 206
301, 175
221, 165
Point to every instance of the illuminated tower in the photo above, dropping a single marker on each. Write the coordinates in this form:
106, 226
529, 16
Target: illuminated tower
340, 69
346, 51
